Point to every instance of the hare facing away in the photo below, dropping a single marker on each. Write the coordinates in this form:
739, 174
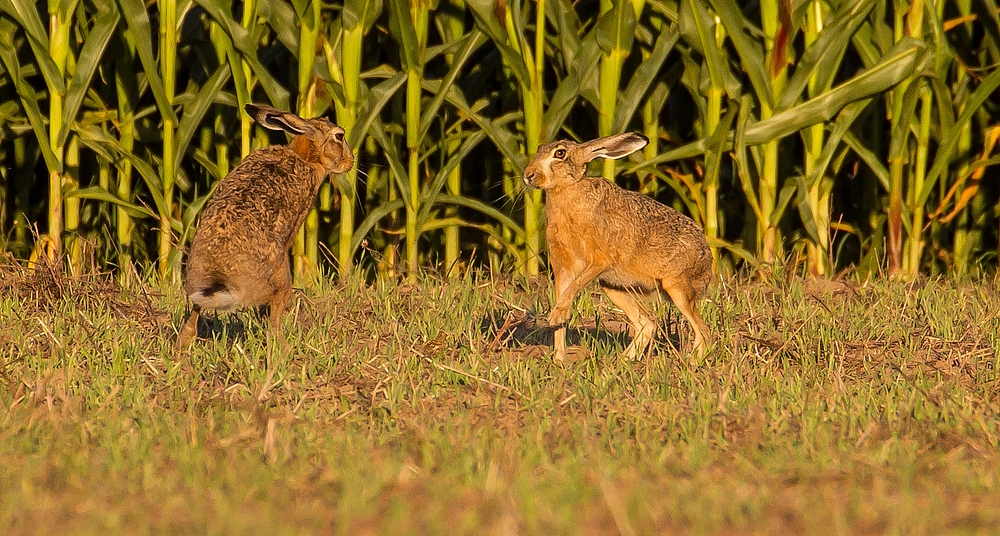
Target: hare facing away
631, 243
239, 255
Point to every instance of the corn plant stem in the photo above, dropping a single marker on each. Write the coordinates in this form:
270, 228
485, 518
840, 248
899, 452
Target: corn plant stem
248, 21
352, 47
534, 110
768, 240
168, 66
915, 243
59, 30
104, 181
819, 202
961, 239
610, 79
897, 164
306, 247
650, 123
651, 129
712, 117
452, 233
308, 260
914, 247
70, 182
413, 79
123, 222
608, 84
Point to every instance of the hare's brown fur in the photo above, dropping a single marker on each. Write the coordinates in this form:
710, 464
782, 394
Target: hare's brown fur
239, 255
629, 242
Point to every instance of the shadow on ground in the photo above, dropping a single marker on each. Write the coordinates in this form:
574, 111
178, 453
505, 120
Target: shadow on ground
518, 330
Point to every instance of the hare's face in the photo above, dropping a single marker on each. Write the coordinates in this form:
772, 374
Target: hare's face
334, 153
555, 164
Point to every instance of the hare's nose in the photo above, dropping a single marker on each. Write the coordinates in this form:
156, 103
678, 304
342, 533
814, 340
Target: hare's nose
529, 179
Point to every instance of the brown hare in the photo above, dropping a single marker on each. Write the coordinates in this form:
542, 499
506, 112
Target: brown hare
631, 243
239, 255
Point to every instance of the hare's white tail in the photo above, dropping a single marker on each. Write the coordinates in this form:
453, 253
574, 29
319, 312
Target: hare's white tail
214, 297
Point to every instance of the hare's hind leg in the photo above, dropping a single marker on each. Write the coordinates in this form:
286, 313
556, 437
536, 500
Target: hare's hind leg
189, 330
681, 295
276, 306
645, 329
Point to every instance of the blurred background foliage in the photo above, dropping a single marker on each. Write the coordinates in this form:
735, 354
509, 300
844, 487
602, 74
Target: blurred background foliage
829, 134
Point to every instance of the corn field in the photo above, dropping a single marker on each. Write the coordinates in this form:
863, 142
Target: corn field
826, 133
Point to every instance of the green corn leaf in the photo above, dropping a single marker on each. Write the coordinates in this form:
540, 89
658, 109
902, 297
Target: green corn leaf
280, 16
98, 193
29, 101
987, 14
788, 190
645, 75
823, 57
698, 28
582, 72
372, 219
805, 208
872, 160
208, 163
246, 45
735, 249
90, 58
137, 20
94, 137
740, 156
717, 146
363, 12
471, 43
431, 195
486, 19
194, 112
942, 159
686, 196
902, 125
864, 44
483, 208
25, 13
751, 54
616, 29
376, 100
504, 139
845, 119
402, 30
896, 66
397, 168
561, 15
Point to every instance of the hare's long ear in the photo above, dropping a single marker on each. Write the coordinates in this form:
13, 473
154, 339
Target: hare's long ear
614, 147
276, 119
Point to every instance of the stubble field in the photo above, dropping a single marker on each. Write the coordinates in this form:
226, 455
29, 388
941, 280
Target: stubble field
825, 407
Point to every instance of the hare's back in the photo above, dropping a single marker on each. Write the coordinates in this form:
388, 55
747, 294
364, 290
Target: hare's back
261, 184
656, 224
668, 244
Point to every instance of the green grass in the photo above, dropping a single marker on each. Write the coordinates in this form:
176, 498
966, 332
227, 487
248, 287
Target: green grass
436, 408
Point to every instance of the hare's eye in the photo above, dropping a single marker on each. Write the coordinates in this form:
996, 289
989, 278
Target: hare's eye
339, 136
560, 153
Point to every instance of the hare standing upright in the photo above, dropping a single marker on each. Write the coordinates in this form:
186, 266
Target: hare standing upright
631, 243
239, 255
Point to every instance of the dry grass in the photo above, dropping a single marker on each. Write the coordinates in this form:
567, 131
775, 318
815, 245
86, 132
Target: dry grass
826, 407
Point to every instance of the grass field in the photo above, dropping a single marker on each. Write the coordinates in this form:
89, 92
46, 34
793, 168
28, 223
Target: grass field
827, 407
